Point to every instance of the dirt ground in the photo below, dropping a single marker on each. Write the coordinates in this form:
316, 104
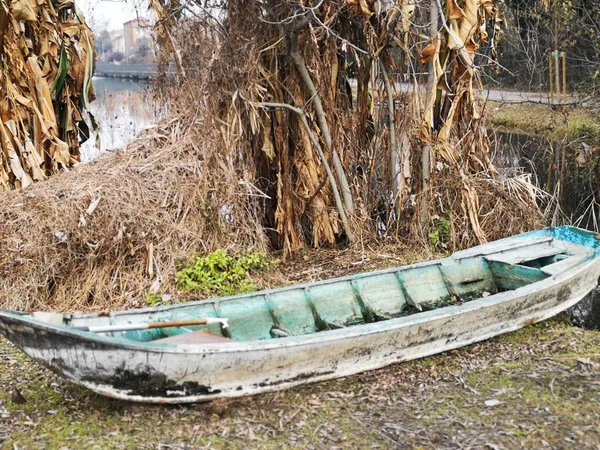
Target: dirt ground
536, 388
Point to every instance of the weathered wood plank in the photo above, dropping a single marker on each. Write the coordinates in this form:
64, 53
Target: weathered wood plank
501, 245
382, 294
529, 253
470, 276
425, 286
337, 304
293, 312
567, 264
247, 320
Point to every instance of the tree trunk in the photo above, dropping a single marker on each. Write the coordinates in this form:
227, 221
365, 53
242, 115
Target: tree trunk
394, 167
322, 120
430, 100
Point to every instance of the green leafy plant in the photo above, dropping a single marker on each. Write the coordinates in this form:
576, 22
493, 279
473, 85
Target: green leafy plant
440, 234
222, 273
153, 299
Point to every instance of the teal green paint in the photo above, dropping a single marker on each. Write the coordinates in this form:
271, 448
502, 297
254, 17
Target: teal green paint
509, 277
425, 285
382, 295
248, 320
293, 312
469, 276
337, 304
365, 310
575, 235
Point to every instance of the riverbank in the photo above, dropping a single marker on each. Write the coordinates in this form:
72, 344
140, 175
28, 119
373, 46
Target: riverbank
534, 388
546, 121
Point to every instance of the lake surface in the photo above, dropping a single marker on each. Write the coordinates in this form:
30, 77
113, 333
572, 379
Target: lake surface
123, 109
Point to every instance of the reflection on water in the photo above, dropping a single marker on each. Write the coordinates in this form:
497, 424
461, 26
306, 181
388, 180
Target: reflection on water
521, 151
123, 109
107, 86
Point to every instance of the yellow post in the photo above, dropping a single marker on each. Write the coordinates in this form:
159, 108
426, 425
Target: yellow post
550, 79
557, 72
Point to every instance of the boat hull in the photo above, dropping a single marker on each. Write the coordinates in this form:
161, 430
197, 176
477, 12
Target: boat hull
187, 373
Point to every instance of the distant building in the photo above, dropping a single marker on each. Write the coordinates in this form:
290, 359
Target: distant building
136, 34
118, 41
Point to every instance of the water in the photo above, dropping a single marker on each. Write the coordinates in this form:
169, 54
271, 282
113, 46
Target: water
533, 155
123, 109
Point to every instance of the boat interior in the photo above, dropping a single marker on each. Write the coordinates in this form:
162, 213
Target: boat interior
354, 300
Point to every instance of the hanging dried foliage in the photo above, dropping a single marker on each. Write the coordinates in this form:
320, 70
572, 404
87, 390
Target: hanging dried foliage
307, 90
46, 66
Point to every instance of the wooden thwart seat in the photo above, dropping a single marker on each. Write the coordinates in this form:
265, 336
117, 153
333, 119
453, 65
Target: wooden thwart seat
524, 254
502, 245
566, 264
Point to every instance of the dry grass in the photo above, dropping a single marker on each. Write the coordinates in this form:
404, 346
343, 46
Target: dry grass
106, 233
504, 205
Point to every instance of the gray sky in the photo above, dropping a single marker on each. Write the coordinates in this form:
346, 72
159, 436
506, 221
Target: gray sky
111, 14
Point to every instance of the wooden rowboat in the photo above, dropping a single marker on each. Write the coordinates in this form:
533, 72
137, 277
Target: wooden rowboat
312, 332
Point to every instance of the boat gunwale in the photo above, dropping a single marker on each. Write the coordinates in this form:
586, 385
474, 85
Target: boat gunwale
308, 339
455, 257
251, 295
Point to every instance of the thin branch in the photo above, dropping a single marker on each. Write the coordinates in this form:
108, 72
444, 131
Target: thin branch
392, 131
315, 141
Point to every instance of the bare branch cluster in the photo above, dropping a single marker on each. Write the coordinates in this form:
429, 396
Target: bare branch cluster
337, 149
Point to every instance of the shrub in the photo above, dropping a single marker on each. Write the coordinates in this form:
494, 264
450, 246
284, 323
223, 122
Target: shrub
440, 235
221, 273
116, 57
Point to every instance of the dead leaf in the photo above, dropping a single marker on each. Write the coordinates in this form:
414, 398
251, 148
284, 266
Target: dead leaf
455, 12
17, 397
93, 206
588, 362
428, 53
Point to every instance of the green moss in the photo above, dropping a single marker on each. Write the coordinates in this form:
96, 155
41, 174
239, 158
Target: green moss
581, 129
